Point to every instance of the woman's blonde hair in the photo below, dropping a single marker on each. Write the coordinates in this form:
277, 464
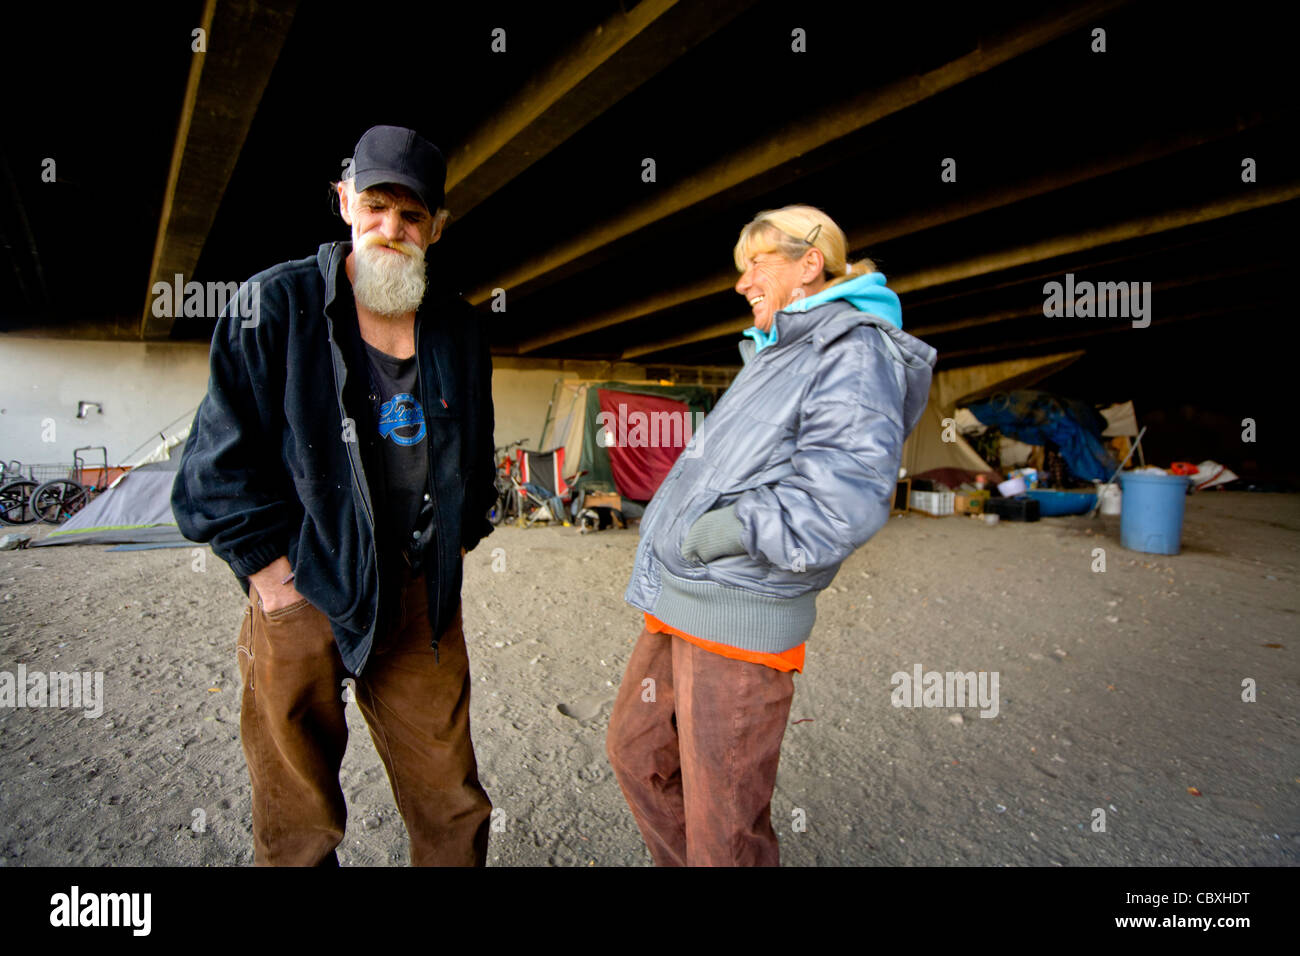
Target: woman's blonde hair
790, 232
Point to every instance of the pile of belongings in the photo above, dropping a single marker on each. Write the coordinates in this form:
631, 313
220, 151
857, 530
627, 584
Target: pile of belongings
1208, 474
1072, 427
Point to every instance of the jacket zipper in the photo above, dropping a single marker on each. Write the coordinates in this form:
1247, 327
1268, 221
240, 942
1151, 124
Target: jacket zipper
354, 454
430, 484
362, 492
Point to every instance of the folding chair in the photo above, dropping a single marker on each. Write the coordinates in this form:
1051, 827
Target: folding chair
541, 476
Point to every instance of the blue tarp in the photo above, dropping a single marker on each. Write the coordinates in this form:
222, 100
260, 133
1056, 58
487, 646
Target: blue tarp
1039, 418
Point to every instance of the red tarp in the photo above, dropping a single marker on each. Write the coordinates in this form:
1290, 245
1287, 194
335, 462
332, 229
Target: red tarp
641, 458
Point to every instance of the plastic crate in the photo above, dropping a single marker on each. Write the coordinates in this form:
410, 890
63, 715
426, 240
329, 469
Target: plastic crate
937, 503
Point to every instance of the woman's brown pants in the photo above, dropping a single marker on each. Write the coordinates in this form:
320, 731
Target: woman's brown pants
694, 741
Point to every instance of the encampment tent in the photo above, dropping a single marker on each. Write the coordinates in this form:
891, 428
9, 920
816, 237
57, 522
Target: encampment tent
576, 428
135, 509
926, 448
1015, 397
951, 389
625, 435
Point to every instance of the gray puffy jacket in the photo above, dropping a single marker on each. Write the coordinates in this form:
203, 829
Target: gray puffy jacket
796, 467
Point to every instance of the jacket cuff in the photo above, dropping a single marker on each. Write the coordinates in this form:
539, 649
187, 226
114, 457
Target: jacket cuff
715, 535
250, 561
475, 533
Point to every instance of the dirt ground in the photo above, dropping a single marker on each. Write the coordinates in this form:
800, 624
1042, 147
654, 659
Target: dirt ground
1120, 690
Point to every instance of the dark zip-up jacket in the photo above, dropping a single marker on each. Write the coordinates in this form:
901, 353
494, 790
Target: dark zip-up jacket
284, 456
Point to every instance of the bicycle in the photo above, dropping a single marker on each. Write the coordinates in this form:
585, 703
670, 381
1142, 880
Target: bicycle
57, 500
507, 503
16, 489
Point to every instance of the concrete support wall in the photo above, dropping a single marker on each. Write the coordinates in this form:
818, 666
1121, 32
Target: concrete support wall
142, 387
145, 386
522, 388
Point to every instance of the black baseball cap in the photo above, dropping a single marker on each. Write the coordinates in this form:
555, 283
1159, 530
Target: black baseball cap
395, 154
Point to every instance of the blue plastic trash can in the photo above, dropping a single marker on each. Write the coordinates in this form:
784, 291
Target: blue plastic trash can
1152, 519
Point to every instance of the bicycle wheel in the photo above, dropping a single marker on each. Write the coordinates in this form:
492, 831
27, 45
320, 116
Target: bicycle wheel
16, 502
497, 513
56, 501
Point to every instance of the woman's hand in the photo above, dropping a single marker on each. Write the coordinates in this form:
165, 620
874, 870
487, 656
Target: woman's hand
715, 535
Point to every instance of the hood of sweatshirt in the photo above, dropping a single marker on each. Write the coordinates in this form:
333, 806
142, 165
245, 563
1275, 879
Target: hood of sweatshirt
866, 293
834, 311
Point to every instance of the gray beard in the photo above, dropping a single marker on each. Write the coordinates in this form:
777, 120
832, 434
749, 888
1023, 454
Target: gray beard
387, 284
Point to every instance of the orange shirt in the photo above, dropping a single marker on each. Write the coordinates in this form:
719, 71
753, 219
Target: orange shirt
791, 660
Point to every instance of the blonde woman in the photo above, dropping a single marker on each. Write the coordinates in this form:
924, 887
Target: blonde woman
792, 471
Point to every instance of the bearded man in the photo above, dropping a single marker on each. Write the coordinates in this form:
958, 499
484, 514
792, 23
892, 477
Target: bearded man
341, 463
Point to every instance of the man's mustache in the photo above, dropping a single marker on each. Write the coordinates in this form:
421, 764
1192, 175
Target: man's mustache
406, 248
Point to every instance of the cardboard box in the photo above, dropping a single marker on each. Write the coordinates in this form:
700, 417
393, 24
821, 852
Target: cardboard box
970, 502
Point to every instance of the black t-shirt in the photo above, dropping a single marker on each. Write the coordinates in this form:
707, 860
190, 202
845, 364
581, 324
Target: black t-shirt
403, 439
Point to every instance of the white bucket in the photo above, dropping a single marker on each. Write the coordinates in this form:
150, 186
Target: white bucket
1111, 499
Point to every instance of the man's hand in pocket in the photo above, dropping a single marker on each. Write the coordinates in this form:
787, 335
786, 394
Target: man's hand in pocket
269, 583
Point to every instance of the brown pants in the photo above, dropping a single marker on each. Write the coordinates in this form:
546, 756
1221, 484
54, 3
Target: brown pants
696, 752
294, 733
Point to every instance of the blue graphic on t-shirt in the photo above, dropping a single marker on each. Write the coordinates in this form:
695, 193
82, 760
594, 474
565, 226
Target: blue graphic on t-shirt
402, 419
